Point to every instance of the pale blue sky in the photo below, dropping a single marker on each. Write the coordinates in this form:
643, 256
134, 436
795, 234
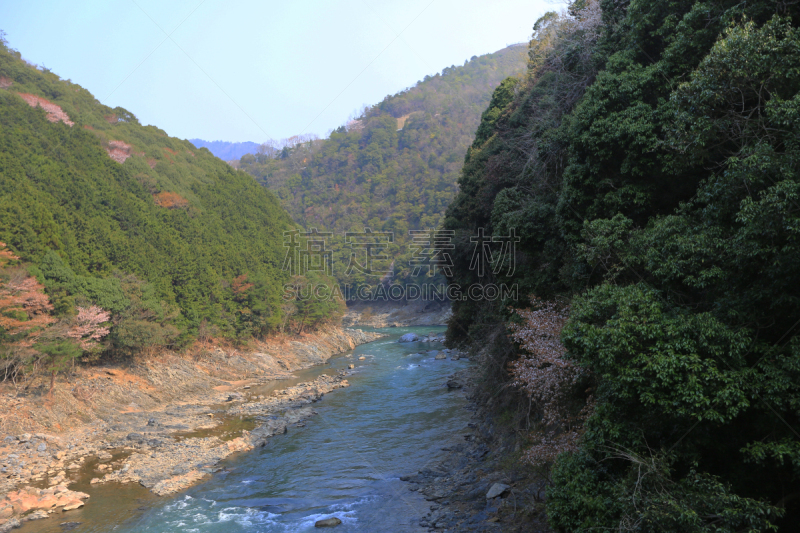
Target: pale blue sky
243, 70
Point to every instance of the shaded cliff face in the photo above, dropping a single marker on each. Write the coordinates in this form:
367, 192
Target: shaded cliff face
632, 164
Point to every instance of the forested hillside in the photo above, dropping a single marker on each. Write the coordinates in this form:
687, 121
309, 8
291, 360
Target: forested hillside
394, 168
650, 163
117, 237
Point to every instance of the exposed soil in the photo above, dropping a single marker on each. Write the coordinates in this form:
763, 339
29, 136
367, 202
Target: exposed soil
119, 151
54, 112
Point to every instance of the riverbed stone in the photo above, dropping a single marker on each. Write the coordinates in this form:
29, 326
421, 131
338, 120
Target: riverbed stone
39, 514
440, 356
409, 337
9, 524
328, 522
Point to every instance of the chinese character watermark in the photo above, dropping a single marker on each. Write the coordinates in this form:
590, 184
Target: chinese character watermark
485, 255
307, 252
371, 243
429, 250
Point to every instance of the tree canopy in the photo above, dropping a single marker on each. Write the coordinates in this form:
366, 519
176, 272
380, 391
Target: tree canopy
649, 161
391, 169
106, 212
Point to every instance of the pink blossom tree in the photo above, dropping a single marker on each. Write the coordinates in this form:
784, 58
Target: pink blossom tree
88, 328
550, 380
32, 338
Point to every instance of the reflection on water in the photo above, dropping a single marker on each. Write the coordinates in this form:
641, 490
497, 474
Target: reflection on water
346, 462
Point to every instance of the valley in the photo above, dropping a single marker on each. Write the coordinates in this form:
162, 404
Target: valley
551, 289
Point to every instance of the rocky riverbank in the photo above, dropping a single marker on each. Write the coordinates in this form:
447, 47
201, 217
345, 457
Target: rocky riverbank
479, 485
166, 464
388, 314
164, 423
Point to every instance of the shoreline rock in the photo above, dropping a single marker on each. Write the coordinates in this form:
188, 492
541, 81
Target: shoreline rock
33, 504
150, 446
473, 488
384, 314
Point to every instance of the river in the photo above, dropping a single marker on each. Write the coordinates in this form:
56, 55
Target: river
346, 462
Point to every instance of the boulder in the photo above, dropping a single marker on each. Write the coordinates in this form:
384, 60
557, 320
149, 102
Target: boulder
409, 337
260, 435
37, 515
40, 501
496, 490
441, 355
328, 522
73, 504
9, 525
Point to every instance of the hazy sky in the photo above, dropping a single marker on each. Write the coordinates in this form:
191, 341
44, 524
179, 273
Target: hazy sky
244, 70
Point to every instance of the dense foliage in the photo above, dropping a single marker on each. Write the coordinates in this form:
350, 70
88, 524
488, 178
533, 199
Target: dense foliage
650, 163
105, 212
393, 168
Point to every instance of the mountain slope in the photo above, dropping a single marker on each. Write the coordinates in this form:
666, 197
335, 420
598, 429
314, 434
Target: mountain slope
395, 167
650, 163
120, 215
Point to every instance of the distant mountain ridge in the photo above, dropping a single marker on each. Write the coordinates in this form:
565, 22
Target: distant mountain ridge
227, 151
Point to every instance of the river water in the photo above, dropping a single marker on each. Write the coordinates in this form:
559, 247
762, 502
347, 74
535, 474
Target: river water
392, 420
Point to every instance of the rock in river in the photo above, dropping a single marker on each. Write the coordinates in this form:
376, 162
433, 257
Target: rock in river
328, 522
409, 337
